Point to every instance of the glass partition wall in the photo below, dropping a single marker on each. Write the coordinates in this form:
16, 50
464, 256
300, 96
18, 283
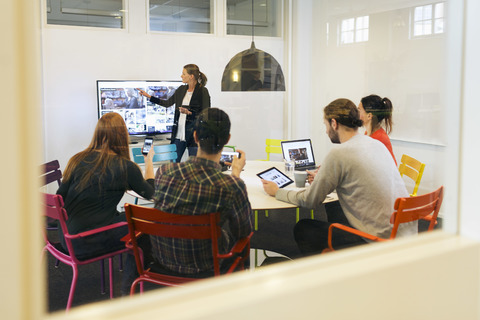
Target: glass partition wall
350, 49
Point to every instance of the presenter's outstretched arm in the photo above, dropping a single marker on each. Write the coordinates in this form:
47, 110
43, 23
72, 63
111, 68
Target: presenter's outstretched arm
143, 93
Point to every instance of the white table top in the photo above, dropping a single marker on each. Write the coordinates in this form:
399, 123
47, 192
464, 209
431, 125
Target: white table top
259, 199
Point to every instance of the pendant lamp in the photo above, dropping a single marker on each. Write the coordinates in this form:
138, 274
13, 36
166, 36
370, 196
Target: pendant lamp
253, 70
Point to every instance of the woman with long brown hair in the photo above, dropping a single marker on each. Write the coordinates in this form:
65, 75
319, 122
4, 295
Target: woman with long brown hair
95, 181
190, 100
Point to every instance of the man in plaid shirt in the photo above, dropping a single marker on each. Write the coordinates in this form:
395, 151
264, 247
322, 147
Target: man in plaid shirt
198, 186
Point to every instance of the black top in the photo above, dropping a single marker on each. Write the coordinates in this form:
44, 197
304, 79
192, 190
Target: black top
200, 100
96, 206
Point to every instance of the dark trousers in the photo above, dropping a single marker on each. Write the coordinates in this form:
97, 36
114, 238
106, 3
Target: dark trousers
312, 235
98, 244
181, 146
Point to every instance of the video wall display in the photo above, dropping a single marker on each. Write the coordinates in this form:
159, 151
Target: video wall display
141, 116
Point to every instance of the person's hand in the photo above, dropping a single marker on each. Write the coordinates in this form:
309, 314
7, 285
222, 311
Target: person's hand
149, 155
185, 111
149, 174
312, 174
238, 163
143, 93
270, 187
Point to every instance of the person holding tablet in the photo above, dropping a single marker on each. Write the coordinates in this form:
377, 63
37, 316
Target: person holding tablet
376, 113
198, 186
189, 99
366, 180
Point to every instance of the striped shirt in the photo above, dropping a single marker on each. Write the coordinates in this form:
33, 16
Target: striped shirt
196, 187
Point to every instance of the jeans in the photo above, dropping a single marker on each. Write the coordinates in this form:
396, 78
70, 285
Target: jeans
181, 146
311, 236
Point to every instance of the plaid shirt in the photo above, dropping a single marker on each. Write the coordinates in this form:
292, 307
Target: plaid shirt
196, 187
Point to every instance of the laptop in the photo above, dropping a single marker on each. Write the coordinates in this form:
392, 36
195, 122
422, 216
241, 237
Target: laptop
301, 152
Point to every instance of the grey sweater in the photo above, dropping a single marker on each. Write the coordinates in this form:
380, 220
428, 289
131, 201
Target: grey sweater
367, 183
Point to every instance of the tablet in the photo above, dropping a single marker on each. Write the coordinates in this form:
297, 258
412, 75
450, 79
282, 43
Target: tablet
228, 156
275, 175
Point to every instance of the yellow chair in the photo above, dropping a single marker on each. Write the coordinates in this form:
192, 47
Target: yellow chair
413, 169
273, 146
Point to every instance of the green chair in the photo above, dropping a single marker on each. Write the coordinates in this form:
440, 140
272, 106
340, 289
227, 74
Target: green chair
231, 147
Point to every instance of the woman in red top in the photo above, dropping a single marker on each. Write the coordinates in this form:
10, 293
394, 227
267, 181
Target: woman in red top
376, 113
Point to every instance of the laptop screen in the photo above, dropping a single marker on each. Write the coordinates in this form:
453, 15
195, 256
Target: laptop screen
299, 150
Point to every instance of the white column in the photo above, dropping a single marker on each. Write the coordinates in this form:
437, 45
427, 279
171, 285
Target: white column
22, 280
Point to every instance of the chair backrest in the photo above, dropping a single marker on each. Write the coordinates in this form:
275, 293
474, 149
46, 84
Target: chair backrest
231, 147
273, 146
152, 221
51, 172
413, 169
416, 208
165, 152
53, 208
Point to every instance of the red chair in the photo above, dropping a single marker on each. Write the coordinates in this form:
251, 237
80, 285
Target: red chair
150, 221
408, 209
55, 210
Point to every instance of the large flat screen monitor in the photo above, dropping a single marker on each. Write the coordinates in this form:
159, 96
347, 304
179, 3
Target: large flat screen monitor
141, 116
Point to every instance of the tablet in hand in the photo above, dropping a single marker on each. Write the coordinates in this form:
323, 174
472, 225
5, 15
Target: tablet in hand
275, 175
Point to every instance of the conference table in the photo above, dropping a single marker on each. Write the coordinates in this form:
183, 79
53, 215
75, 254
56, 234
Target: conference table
259, 199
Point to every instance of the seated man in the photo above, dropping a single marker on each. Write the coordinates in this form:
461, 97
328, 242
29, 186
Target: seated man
198, 186
366, 179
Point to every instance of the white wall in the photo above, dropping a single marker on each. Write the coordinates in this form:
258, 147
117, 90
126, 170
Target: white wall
75, 57
411, 72
451, 259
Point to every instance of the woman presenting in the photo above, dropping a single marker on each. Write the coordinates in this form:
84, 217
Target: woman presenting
189, 99
376, 113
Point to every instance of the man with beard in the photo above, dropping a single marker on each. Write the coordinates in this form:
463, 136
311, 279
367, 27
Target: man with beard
366, 179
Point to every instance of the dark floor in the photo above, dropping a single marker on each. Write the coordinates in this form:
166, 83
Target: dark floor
275, 234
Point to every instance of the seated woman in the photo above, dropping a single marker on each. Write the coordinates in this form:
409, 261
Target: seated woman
376, 112
95, 181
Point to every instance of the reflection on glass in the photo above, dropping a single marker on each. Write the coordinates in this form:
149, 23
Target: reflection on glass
87, 13
180, 16
267, 18
253, 70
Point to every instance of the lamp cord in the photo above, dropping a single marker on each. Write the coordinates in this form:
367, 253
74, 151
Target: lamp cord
252, 22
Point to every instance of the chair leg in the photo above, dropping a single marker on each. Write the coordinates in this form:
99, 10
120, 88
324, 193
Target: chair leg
110, 272
256, 220
57, 263
121, 259
312, 215
72, 287
297, 216
102, 277
134, 284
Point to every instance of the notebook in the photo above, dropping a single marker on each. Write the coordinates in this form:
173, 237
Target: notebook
301, 152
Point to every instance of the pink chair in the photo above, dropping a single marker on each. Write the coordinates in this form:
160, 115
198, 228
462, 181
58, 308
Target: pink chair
54, 209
